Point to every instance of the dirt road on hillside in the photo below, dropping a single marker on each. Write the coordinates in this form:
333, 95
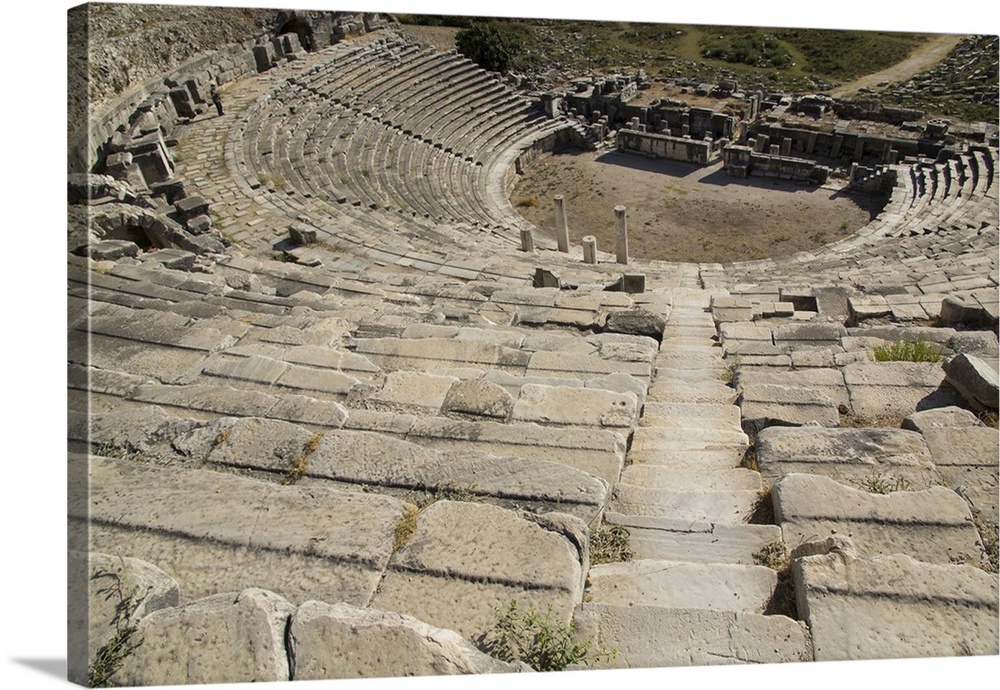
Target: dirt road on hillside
924, 58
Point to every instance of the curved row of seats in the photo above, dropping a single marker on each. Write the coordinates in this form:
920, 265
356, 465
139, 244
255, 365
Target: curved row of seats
387, 126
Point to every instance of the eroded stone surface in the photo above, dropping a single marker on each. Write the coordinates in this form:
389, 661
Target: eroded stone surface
226, 638
933, 525
649, 636
341, 641
465, 559
850, 456
895, 607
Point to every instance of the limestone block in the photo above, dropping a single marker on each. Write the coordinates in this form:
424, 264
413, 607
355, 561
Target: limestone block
428, 353
804, 335
933, 525
892, 391
111, 580
575, 406
635, 322
849, 456
727, 309
226, 638
765, 404
950, 416
465, 559
740, 330
674, 584
329, 641
965, 456
480, 398
215, 531
975, 379
600, 452
895, 607
830, 382
410, 391
650, 637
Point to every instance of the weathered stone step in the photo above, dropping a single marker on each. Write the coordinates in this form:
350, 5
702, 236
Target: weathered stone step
694, 541
711, 390
649, 636
678, 584
731, 507
360, 458
691, 478
652, 438
703, 459
216, 532
860, 608
599, 452
933, 525
464, 560
690, 416
855, 457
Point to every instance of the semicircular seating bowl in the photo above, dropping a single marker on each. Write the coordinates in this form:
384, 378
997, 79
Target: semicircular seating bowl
413, 134
418, 361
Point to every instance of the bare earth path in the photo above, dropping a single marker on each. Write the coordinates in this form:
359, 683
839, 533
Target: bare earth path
928, 55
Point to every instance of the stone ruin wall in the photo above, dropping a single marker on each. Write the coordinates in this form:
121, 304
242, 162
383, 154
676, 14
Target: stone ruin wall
156, 104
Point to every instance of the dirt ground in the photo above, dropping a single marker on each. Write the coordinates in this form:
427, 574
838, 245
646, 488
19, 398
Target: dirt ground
684, 212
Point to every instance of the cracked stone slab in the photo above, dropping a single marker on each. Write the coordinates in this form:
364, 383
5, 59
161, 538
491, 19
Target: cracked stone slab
329, 641
460, 564
225, 638
850, 456
215, 532
575, 406
675, 584
650, 637
933, 525
895, 607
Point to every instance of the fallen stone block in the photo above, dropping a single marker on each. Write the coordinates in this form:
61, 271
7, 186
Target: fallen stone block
479, 398
329, 641
226, 638
301, 235
933, 525
895, 607
112, 250
957, 312
635, 322
975, 379
940, 417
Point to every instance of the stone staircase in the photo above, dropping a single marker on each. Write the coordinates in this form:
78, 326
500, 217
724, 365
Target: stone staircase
687, 504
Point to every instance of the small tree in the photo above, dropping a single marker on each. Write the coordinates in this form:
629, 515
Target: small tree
489, 46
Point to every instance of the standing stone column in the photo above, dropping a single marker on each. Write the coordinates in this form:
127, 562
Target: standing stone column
562, 228
589, 249
527, 241
622, 248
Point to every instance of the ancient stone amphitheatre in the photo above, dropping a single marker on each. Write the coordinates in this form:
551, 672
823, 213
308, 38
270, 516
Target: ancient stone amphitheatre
338, 409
